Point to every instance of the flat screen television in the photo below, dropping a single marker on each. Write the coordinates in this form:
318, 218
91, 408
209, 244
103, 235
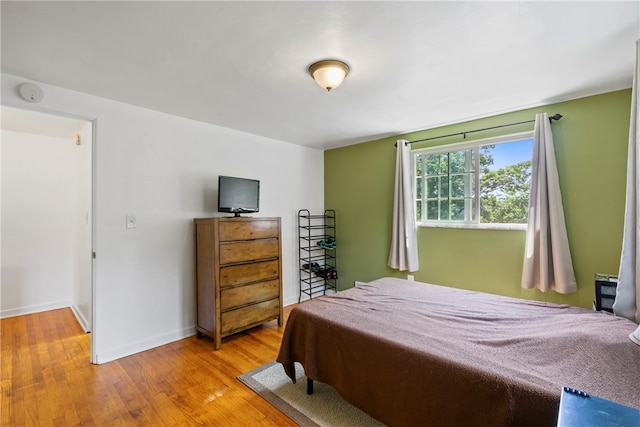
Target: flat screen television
238, 195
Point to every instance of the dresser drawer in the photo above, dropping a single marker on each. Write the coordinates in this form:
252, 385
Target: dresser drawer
247, 294
246, 273
240, 318
247, 230
233, 252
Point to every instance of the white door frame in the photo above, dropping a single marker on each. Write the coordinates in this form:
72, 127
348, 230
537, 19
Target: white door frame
94, 126
94, 139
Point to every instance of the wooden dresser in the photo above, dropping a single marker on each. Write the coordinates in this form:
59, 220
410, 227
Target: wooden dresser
238, 274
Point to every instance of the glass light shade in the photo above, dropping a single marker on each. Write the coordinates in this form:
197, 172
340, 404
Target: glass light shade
635, 336
329, 74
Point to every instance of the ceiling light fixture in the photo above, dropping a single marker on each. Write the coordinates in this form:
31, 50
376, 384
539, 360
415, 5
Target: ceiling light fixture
329, 73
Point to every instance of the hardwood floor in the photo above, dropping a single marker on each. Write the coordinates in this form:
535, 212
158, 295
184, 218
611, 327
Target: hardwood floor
47, 379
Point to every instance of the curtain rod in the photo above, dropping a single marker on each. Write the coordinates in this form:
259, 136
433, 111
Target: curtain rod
554, 117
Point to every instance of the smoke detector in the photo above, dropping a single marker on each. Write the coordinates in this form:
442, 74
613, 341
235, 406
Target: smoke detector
30, 92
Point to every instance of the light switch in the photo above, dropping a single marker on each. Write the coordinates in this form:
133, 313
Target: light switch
131, 221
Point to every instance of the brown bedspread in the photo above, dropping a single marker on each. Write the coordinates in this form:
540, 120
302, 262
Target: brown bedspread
413, 354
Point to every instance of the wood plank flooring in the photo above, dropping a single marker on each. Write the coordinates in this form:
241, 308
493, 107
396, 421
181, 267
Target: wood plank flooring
47, 379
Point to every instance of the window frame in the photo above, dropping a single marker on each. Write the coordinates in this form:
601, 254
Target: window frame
460, 146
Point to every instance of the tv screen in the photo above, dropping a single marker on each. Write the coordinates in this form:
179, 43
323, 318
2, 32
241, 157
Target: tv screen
238, 195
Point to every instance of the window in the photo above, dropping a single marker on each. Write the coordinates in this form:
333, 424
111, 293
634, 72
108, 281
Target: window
474, 183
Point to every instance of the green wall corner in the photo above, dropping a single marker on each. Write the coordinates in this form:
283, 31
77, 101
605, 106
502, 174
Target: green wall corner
591, 150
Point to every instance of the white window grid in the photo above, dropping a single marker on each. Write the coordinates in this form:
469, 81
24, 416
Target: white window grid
471, 201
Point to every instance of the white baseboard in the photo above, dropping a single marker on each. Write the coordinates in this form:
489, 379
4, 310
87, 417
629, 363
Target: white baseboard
84, 323
305, 297
128, 350
291, 301
21, 311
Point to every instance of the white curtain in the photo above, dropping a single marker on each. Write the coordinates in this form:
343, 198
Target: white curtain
547, 259
404, 245
627, 303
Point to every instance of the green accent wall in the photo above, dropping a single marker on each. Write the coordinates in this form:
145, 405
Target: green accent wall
591, 149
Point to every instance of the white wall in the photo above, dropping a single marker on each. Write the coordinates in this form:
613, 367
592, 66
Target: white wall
38, 227
163, 169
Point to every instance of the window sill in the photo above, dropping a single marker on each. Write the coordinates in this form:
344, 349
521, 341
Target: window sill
512, 227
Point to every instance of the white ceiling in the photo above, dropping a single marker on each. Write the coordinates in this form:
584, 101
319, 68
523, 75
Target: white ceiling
242, 65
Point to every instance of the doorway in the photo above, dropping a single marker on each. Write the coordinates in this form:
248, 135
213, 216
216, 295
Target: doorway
46, 215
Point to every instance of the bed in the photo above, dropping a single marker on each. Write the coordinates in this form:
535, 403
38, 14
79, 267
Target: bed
416, 354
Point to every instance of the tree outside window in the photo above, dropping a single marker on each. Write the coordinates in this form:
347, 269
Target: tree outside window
486, 182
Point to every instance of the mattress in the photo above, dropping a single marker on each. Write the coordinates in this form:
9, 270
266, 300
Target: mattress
416, 354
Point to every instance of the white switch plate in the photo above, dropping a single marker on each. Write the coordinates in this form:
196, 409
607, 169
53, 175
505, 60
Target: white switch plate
132, 222
410, 277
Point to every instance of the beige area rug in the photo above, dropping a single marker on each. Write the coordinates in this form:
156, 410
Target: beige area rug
324, 407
